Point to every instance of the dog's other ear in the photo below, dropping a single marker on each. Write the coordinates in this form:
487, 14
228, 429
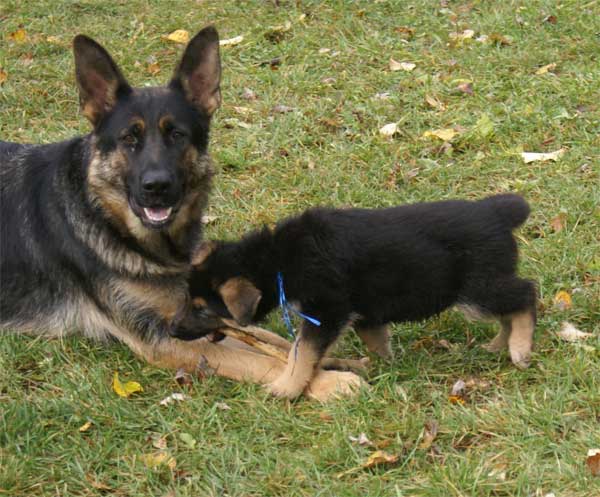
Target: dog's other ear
198, 74
99, 79
241, 299
202, 253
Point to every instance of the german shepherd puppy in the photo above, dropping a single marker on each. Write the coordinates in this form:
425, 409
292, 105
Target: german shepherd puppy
97, 232
373, 267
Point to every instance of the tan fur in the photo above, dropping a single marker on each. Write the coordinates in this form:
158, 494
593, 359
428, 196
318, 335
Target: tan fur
240, 297
377, 340
300, 368
520, 342
202, 253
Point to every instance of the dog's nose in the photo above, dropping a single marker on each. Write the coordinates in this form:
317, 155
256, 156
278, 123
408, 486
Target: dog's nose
156, 181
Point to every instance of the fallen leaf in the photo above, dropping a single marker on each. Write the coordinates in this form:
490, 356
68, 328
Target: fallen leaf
593, 461
183, 378
500, 40
324, 50
125, 389
222, 406
465, 87
569, 333
244, 111
325, 416
456, 399
18, 36
174, 397
54, 39
429, 433
465, 35
178, 36
389, 129
434, 103
550, 19
484, 126
209, 219
230, 42
558, 222
3, 76
153, 68
188, 440
405, 32
482, 38
445, 134
384, 95
85, 427
362, 439
159, 442
542, 157
545, 69
157, 459
401, 66
458, 388
278, 33
379, 458
249, 94
562, 300
282, 109
203, 369
328, 81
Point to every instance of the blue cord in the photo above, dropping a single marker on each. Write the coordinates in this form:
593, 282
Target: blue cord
286, 307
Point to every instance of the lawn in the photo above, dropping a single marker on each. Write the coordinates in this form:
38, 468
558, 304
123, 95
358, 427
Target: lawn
323, 88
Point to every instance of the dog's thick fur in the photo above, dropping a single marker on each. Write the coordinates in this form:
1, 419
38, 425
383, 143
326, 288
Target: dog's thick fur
97, 232
373, 267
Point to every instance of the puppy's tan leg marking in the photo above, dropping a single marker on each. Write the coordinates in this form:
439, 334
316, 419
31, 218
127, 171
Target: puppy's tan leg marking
520, 341
377, 339
328, 385
358, 365
302, 360
500, 341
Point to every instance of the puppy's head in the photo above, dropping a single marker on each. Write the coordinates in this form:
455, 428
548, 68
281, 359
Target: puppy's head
219, 282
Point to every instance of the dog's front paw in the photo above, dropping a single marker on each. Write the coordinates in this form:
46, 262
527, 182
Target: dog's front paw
285, 388
521, 359
329, 385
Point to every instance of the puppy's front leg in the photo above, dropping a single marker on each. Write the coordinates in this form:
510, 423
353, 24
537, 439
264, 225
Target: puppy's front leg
304, 356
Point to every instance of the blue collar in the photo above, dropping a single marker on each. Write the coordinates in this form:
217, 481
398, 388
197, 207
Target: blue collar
286, 307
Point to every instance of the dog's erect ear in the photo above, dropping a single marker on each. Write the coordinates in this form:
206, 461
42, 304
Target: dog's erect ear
99, 79
198, 74
202, 253
241, 299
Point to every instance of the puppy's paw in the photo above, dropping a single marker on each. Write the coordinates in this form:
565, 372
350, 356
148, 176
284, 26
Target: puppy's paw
285, 388
329, 385
493, 347
521, 359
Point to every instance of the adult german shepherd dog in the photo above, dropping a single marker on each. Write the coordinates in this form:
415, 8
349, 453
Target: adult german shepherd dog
97, 232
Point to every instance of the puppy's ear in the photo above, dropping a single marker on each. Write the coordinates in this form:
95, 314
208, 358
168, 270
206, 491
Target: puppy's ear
241, 299
99, 79
198, 74
202, 253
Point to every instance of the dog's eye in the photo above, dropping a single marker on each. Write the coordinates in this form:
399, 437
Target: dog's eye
129, 139
177, 135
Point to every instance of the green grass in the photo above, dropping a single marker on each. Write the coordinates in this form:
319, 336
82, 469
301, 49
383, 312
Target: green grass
525, 434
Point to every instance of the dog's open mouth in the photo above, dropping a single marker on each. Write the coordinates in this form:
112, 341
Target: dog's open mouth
157, 214
153, 217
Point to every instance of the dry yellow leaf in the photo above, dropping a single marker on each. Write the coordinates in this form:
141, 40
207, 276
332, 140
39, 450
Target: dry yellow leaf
178, 36
85, 427
380, 457
125, 389
563, 301
445, 134
3, 76
153, 68
19, 36
434, 103
158, 459
545, 69
401, 66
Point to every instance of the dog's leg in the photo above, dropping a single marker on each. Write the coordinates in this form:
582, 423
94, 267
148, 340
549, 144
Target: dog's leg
520, 341
377, 339
234, 362
500, 341
306, 353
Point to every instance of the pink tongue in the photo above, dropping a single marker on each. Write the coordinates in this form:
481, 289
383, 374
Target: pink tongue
157, 213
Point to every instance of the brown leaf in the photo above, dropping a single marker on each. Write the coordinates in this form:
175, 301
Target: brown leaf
434, 103
203, 370
430, 431
466, 87
456, 399
558, 223
593, 461
183, 378
500, 39
3, 76
153, 68
325, 416
550, 19
405, 32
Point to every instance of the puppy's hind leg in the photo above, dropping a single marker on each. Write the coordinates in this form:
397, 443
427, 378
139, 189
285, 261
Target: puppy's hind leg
376, 338
500, 341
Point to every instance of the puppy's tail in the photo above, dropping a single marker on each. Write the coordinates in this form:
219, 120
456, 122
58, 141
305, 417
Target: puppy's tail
511, 208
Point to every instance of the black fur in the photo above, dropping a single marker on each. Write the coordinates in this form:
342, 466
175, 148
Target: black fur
403, 263
76, 249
